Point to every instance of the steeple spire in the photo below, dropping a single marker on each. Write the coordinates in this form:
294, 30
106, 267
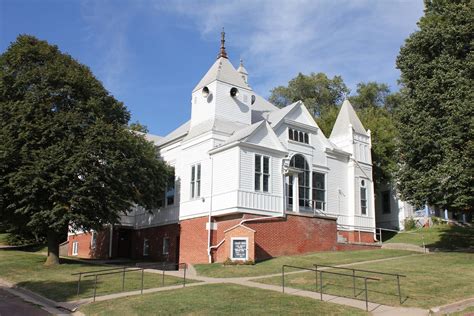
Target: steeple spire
222, 52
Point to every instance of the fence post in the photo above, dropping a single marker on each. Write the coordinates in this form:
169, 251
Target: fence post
381, 238
366, 296
283, 278
79, 283
399, 291
354, 282
143, 273
95, 286
163, 276
321, 284
123, 279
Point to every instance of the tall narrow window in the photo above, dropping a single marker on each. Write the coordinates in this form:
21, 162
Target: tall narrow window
363, 198
290, 133
262, 173
170, 190
386, 202
299, 162
146, 247
196, 181
319, 191
166, 245
75, 248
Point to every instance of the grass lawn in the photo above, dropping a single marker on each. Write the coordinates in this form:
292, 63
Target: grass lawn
274, 265
432, 280
440, 236
26, 269
466, 312
217, 299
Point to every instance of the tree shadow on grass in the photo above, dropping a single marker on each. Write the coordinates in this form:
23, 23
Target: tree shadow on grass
59, 291
455, 238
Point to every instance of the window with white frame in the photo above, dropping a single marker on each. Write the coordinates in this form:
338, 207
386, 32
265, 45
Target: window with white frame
93, 239
319, 190
363, 198
146, 247
75, 248
239, 248
195, 181
262, 173
166, 245
298, 136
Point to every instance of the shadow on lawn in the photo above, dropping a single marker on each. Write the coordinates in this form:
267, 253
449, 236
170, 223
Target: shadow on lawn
59, 291
455, 238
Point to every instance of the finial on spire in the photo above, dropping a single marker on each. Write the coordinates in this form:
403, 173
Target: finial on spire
222, 52
241, 62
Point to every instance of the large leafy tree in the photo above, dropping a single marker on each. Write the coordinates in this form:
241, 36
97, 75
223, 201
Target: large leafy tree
316, 90
436, 122
67, 157
374, 103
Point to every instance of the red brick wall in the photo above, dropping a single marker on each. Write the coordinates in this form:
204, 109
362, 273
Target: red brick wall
295, 234
353, 236
193, 241
239, 231
101, 251
155, 236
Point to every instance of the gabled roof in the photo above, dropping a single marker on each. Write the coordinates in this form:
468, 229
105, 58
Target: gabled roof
275, 117
243, 133
222, 70
177, 133
217, 125
347, 116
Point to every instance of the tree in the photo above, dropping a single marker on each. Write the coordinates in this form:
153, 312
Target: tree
138, 127
370, 94
436, 121
67, 157
317, 91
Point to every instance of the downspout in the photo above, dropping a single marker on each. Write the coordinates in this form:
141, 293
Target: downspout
111, 238
210, 213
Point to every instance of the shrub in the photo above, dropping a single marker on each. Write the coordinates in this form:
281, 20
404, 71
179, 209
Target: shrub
410, 223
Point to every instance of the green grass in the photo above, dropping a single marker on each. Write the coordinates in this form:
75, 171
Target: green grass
217, 299
27, 270
440, 236
432, 280
272, 266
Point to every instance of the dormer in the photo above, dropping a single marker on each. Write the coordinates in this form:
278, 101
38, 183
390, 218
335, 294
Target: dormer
222, 93
350, 135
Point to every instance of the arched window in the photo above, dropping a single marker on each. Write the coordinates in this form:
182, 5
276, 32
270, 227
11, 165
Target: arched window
363, 198
299, 162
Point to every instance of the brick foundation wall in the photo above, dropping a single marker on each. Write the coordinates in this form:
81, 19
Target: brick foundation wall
295, 234
155, 236
101, 250
193, 241
353, 236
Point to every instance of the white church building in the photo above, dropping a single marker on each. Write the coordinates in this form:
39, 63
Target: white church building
252, 181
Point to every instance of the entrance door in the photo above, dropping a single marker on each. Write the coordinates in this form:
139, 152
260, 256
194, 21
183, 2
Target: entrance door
124, 243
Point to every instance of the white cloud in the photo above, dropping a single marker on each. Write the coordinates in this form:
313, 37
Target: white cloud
279, 38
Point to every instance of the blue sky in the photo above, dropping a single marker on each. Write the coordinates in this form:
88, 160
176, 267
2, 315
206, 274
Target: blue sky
150, 54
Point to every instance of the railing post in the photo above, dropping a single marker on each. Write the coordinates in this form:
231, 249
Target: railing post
366, 296
316, 267
354, 281
283, 278
143, 273
79, 283
399, 291
123, 279
381, 238
184, 278
95, 286
321, 284
163, 276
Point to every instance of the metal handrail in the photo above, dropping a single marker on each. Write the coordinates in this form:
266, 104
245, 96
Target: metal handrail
321, 280
366, 271
123, 271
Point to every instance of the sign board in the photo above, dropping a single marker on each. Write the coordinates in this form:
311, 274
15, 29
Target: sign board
239, 249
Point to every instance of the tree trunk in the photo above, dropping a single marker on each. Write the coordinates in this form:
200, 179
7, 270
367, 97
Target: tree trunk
53, 249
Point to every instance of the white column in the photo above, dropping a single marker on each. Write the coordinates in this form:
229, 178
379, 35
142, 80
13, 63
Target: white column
296, 200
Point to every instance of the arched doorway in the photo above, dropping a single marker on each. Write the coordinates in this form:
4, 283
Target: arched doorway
298, 163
